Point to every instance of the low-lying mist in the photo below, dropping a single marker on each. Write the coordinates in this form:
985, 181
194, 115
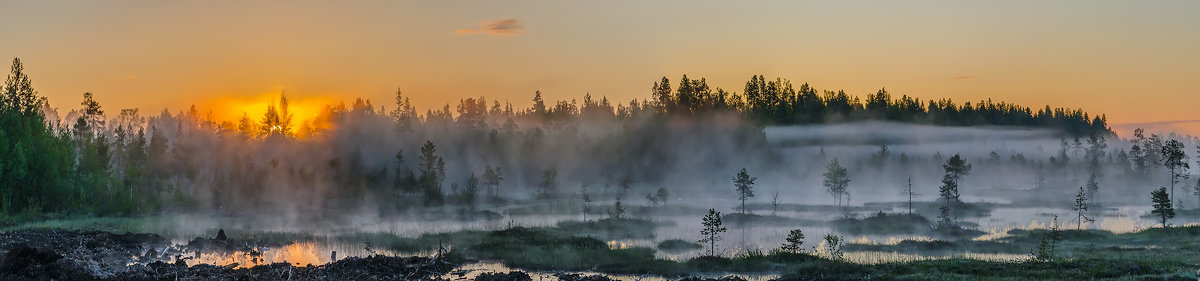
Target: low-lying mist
363, 165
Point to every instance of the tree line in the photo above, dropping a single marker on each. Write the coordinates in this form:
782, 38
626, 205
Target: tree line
90, 163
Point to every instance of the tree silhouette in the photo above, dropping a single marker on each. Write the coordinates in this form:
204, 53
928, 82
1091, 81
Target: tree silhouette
587, 200
617, 211
277, 121
833, 246
712, 230
1093, 187
492, 178
836, 180
774, 203
955, 169
1081, 209
744, 184
1162, 205
908, 192
549, 185
793, 241
1045, 249
470, 191
433, 170
1174, 159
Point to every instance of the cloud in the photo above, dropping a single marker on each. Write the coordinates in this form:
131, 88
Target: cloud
963, 77
504, 27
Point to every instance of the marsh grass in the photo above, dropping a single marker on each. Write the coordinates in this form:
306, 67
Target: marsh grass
109, 224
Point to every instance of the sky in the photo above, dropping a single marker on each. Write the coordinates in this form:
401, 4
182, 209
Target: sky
1138, 62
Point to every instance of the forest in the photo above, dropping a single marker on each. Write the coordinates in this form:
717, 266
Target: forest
134, 163
816, 181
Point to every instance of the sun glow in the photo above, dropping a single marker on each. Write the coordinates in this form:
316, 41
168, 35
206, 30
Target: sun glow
303, 109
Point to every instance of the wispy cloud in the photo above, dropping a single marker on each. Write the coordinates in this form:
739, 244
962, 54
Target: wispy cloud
504, 27
963, 77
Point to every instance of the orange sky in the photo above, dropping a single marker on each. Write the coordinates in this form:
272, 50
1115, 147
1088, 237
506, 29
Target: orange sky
1135, 61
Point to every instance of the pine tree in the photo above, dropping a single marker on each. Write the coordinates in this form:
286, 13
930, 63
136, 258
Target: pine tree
955, 169
432, 173
471, 191
745, 187
1045, 249
492, 178
712, 230
945, 220
1081, 208
549, 185
587, 200
663, 196
836, 180
793, 241
1162, 205
1175, 160
618, 211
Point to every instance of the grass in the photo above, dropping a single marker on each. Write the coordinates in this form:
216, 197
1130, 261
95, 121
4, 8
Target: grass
882, 223
1084, 254
678, 245
109, 224
966, 269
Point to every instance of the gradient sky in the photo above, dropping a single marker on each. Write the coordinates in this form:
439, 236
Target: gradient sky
1137, 61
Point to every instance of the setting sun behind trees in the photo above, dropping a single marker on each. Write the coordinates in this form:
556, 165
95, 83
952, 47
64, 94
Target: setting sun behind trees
308, 114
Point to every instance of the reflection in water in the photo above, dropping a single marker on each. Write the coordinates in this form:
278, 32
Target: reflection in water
738, 240
870, 257
471, 270
297, 254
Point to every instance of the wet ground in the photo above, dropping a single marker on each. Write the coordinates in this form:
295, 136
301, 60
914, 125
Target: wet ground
95, 255
71, 255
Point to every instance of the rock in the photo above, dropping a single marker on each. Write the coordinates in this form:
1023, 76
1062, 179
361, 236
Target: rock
221, 235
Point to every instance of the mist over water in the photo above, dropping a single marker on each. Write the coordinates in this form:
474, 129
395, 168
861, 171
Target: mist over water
346, 178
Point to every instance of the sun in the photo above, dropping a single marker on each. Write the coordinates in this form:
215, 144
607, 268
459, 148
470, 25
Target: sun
303, 108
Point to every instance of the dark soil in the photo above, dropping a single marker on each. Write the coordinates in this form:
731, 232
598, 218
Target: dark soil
510, 276
77, 255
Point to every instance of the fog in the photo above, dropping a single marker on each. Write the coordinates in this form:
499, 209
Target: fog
339, 172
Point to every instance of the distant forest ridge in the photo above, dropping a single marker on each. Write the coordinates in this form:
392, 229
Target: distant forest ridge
775, 102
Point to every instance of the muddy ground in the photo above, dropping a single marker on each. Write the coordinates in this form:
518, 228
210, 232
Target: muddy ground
74, 255
95, 255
